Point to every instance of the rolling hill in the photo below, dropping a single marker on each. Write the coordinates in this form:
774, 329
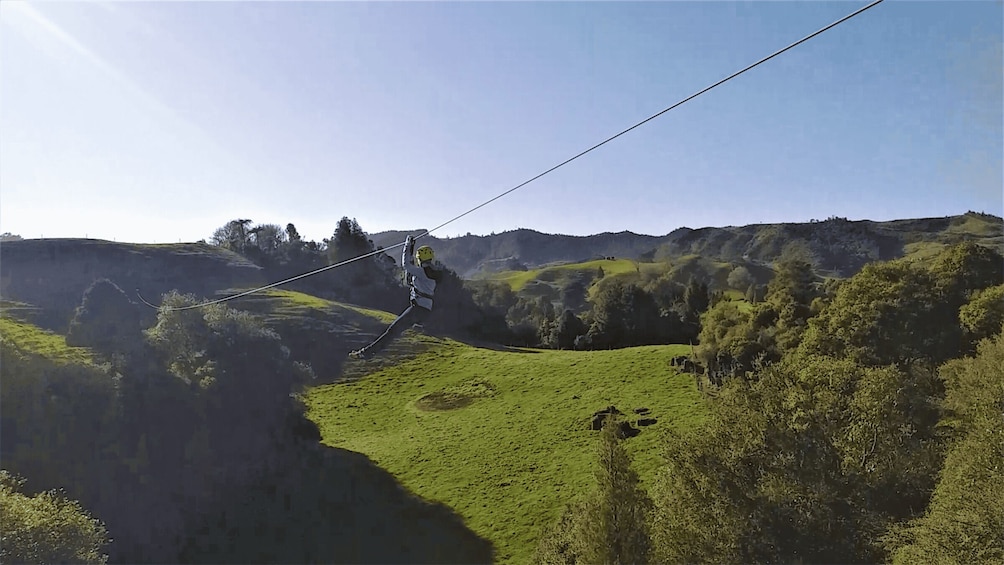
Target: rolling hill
836, 245
53, 274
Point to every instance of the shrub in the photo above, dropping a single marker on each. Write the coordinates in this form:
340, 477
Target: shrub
47, 527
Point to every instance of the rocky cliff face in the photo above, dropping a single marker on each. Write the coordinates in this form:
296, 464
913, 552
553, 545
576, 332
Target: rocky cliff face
56, 272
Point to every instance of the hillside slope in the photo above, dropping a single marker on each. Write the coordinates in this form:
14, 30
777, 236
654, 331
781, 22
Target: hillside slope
317, 331
315, 504
54, 273
473, 253
503, 436
836, 245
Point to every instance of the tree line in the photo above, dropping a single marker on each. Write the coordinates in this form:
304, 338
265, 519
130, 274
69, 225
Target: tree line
651, 310
859, 421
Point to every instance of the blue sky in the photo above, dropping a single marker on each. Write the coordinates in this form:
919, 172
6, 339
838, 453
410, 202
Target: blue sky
158, 122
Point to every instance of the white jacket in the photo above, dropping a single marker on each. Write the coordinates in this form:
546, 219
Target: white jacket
423, 286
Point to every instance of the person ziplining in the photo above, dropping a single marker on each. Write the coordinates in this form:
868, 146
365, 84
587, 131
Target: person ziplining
422, 276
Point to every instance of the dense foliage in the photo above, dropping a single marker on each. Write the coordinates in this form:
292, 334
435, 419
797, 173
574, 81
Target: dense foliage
46, 527
284, 254
846, 427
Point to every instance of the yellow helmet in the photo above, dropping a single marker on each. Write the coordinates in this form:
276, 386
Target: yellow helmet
424, 254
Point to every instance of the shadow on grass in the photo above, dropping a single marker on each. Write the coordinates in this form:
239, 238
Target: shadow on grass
332, 506
483, 344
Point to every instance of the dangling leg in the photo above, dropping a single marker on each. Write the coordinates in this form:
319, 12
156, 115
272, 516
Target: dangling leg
410, 315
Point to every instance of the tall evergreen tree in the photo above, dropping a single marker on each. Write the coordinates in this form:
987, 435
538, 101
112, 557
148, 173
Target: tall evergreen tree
615, 526
696, 300
611, 525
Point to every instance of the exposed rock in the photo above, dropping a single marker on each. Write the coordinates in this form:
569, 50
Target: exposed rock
626, 430
601, 415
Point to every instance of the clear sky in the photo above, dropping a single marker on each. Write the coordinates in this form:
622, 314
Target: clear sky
159, 122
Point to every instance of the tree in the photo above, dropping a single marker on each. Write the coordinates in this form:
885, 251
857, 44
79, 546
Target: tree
983, 316
375, 281
790, 293
47, 527
267, 240
233, 236
730, 343
740, 278
530, 319
784, 470
615, 528
348, 241
624, 315
696, 300
564, 331
574, 294
667, 292
887, 313
241, 375
108, 321
610, 525
560, 543
966, 268
965, 519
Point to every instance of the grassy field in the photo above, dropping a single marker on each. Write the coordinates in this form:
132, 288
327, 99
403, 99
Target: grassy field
291, 302
502, 436
32, 339
518, 279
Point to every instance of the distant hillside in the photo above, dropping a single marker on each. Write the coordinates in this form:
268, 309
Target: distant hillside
54, 273
475, 253
838, 246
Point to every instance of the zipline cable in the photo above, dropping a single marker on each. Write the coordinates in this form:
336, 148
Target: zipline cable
654, 116
275, 284
552, 169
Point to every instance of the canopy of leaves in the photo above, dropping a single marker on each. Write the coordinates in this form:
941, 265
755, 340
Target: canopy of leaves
887, 313
625, 315
965, 520
808, 462
983, 316
107, 320
46, 527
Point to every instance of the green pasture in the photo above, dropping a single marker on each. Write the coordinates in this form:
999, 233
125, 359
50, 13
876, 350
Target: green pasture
32, 339
518, 279
503, 436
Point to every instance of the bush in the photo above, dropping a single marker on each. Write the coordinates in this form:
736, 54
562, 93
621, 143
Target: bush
965, 519
983, 316
46, 528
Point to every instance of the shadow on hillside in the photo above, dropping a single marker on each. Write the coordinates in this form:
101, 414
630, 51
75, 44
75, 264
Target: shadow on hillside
334, 506
494, 346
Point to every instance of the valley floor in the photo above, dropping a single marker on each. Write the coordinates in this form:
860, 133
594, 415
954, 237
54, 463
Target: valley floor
503, 435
